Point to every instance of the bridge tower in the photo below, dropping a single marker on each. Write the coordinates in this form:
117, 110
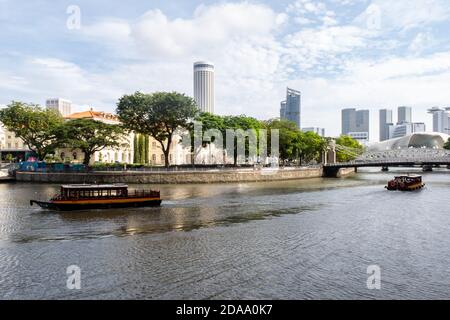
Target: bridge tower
330, 157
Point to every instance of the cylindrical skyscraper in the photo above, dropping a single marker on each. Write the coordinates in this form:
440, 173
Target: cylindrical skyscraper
204, 86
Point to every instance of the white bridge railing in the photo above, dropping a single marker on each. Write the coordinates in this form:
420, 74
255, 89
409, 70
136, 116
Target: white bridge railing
410, 155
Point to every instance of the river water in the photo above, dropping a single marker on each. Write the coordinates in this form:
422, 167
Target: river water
308, 239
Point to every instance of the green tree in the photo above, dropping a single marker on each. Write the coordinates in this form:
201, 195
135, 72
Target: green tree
40, 129
289, 137
136, 156
208, 121
147, 150
142, 148
351, 148
91, 136
239, 124
447, 144
309, 146
159, 115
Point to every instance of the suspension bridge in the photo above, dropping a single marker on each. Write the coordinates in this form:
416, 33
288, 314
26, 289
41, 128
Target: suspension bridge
408, 157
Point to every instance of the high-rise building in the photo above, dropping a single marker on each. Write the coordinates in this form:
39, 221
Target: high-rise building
355, 121
64, 107
291, 107
441, 119
385, 122
204, 86
319, 131
348, 120
405, 128
283, 110
404, 115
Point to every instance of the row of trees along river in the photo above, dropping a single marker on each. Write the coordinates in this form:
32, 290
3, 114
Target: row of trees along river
156, 115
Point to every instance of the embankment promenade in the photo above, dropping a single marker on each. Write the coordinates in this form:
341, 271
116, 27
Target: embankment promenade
177, 177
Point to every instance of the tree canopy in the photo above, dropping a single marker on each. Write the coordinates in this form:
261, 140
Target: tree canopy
40, 129
158, 115
353, 146
91, 136
288, 137
296, 144
237, 124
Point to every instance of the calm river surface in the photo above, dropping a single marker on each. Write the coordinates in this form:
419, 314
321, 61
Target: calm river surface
309, 239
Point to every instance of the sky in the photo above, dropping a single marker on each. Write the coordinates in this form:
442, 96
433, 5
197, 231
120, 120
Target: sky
367, 54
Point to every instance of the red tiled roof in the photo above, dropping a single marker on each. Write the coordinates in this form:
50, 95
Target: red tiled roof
91, 114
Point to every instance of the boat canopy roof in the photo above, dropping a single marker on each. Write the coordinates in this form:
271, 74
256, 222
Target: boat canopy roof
94, 186
411, 176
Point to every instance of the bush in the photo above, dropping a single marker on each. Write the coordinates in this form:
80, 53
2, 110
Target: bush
52, 158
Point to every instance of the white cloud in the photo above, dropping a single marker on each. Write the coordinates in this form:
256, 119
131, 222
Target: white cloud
421, 42
404, 14
210, 28
311, 47
114, 30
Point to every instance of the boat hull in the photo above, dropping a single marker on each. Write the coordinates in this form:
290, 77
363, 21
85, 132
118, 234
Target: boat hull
408, 188
88, 205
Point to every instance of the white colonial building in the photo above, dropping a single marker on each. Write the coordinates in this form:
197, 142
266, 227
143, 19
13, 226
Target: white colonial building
122, 154
10, 144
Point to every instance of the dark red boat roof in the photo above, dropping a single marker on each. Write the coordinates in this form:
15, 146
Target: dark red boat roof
94, 186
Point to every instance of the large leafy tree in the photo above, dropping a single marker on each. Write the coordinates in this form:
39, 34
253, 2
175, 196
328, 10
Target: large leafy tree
40, 129
238, 124
208, 121
91, 136
309, 146
288, 137
158, 115
295, 144
351, 148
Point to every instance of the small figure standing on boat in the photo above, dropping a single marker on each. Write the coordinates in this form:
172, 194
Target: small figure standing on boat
405, 183
84, 196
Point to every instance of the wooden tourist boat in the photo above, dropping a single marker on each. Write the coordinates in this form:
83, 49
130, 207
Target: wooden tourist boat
405, 183
83, 196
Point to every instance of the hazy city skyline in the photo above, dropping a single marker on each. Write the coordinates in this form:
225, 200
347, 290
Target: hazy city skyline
339, 54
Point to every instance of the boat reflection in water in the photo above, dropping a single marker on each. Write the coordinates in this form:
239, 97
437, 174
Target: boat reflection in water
83, 196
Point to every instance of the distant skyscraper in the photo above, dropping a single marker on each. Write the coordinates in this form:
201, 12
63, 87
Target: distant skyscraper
64, 107
441, 119
385, 122
283, 110
404, 125
404, 115
204, 86
291, 108
348, 120
355, 121
405, 128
